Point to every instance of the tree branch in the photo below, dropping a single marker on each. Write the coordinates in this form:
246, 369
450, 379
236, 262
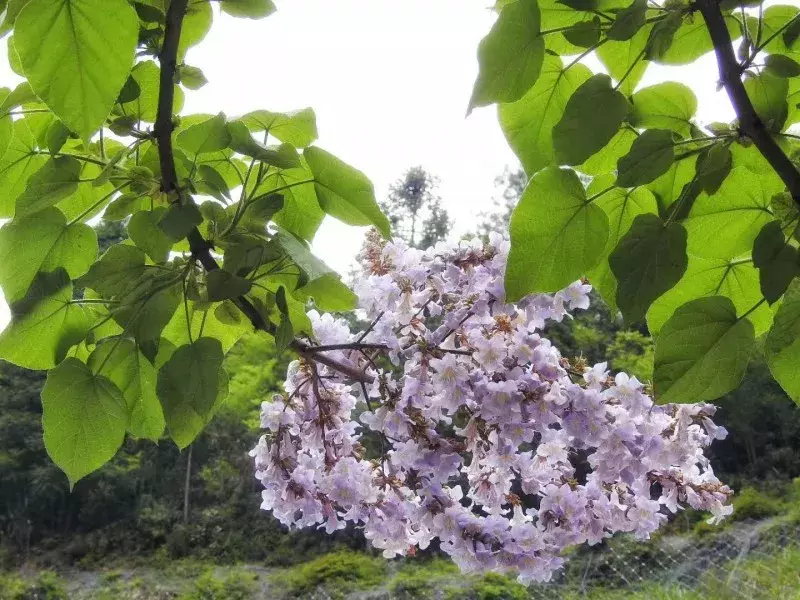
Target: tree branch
749, 122
199, 246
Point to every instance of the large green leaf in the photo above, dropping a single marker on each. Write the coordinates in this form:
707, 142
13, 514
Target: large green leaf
135, 377
301, 255
209, 136
556, 235
782, 347
77, 55
344, 192
648, 260
329, 293
669, 186
668, 105
148, 305
528, 123
56, 180
297, 128
605, 161
702, 352
44, 325
84, 418
735, 279
628, 21
621, 207
592, 116
43, 242
651, 156
191, 385
739, 209
510, 56
17, 166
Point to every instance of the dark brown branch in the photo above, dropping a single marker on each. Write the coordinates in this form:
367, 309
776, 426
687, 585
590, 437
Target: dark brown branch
199, 246
750, 123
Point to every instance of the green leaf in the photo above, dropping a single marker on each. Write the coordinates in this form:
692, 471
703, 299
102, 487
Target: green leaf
56, 180
592, 116
84, 419
768, 94
43, 242
211, 182
510, 56
280, 301
648, 261
625, 59
57, 136
584, 34
735, 279
77, 55
124, 206
781, 66
116, 271
191, 77
285, 334
12, 10
209, 136
179, 220
621, 208
776, 261
223, 285
127, 368
329, 294
344, 192
713, 167
148, 305
44, 325
298, 128
260, 210
130, 91
668, 105
556, 235
628, 21
651, 155
739, 208
782, 347
144, 231
17, 166
662, 36
191, 386
669, 186
283, 157
605, 161
309, 264
702, 352
251, 9
301, 213
528, 123
196, 24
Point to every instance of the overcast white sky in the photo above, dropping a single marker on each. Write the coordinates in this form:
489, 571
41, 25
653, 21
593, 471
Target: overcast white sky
389, 81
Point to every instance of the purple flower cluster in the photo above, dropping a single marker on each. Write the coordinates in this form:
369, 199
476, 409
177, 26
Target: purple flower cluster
481, 434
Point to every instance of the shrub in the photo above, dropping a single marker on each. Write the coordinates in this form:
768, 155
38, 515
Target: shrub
492, 586
753, 504
46, 586
338, 573
236, 585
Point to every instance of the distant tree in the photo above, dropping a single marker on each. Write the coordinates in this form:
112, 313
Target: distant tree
415, 210
511, 183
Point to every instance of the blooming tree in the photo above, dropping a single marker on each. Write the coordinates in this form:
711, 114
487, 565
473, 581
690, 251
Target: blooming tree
490, 440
